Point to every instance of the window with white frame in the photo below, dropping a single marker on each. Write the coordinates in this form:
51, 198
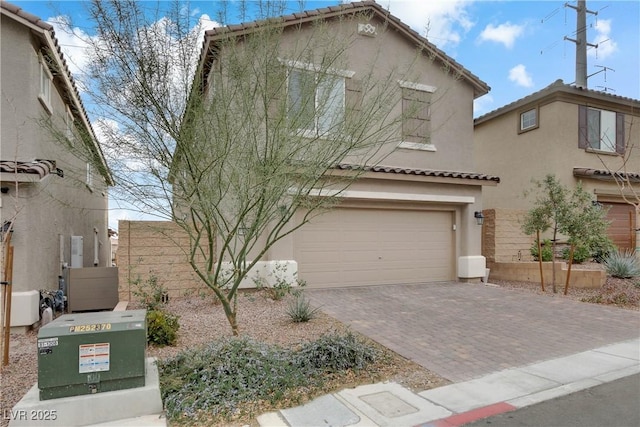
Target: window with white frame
46, 82
316, 101
601, 130
529, 119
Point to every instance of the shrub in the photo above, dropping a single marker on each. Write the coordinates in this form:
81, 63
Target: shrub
150, 292
300, 310
225, 377
282, 286
623, 265
547, 250
219, 377
336, 352
162, 328
602, 248
580, 254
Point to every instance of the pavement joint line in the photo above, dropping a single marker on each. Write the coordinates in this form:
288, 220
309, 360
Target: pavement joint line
511, 388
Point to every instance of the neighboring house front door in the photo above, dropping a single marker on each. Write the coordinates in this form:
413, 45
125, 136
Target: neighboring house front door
622, 227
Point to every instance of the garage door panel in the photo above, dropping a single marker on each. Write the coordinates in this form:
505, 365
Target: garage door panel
349, 246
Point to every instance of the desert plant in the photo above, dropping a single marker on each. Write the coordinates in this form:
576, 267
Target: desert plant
219, 377
547, 250
150, 292
162, 328
623, 265
580, 254
336, 352
282, 284
602, 248
300, 310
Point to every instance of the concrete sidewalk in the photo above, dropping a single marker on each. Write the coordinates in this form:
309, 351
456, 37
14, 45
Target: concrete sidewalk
389, 404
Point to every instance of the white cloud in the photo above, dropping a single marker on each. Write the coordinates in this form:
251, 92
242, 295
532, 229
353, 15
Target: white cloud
445, 23
482, 105
506, 33
606, 45
74, 44
520, 76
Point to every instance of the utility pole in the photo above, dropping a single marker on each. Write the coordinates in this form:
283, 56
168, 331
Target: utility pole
581, 42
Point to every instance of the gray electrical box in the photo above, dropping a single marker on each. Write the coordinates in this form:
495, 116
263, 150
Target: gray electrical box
92, 352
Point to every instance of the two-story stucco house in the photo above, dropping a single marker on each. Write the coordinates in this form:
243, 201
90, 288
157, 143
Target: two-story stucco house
411, 217
54, 200
577, 134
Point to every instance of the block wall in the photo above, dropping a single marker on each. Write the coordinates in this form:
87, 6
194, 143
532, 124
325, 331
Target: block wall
502, 237
155, 248
530, 272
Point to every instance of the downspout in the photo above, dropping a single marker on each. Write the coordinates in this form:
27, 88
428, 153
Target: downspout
96, 247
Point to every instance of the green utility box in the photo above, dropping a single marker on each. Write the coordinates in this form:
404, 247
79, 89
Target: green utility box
91, 353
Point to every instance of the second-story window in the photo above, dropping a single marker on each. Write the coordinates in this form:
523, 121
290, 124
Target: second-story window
528, 120
46, 82
316, 101
601, 130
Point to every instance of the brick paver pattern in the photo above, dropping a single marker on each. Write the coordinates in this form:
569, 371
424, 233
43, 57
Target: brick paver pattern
463, 331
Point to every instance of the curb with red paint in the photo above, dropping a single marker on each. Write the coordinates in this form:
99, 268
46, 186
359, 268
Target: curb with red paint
470, 416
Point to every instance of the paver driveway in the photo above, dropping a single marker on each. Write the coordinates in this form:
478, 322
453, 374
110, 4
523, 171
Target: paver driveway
463, 331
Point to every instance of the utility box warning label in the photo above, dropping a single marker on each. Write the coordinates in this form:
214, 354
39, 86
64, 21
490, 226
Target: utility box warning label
94, 358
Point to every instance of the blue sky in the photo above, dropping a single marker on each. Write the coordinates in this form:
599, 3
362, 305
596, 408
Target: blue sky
516, 47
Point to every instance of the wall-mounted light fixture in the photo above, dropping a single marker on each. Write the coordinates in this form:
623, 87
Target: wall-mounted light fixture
479, 217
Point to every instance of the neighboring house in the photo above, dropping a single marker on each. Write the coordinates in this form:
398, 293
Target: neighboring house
410, 218
55, 198
579, 135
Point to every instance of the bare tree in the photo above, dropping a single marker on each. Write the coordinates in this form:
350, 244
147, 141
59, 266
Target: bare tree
240, 148
624, 170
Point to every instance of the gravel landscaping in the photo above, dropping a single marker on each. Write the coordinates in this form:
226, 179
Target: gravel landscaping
266, 320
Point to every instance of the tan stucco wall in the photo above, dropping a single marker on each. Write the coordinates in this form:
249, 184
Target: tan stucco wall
451, 124
387, 54
56, 206
155, 248
552, 148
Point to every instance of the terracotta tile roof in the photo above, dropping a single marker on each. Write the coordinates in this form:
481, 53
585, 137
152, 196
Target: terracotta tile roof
605, 175
560, 87
424, 172
480, 87
26, 15
41, 168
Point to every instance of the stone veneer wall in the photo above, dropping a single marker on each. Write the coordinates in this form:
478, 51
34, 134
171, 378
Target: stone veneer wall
530, 272
502, 236
158, 248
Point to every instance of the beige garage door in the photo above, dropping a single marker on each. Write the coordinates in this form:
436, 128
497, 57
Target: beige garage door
349, 246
